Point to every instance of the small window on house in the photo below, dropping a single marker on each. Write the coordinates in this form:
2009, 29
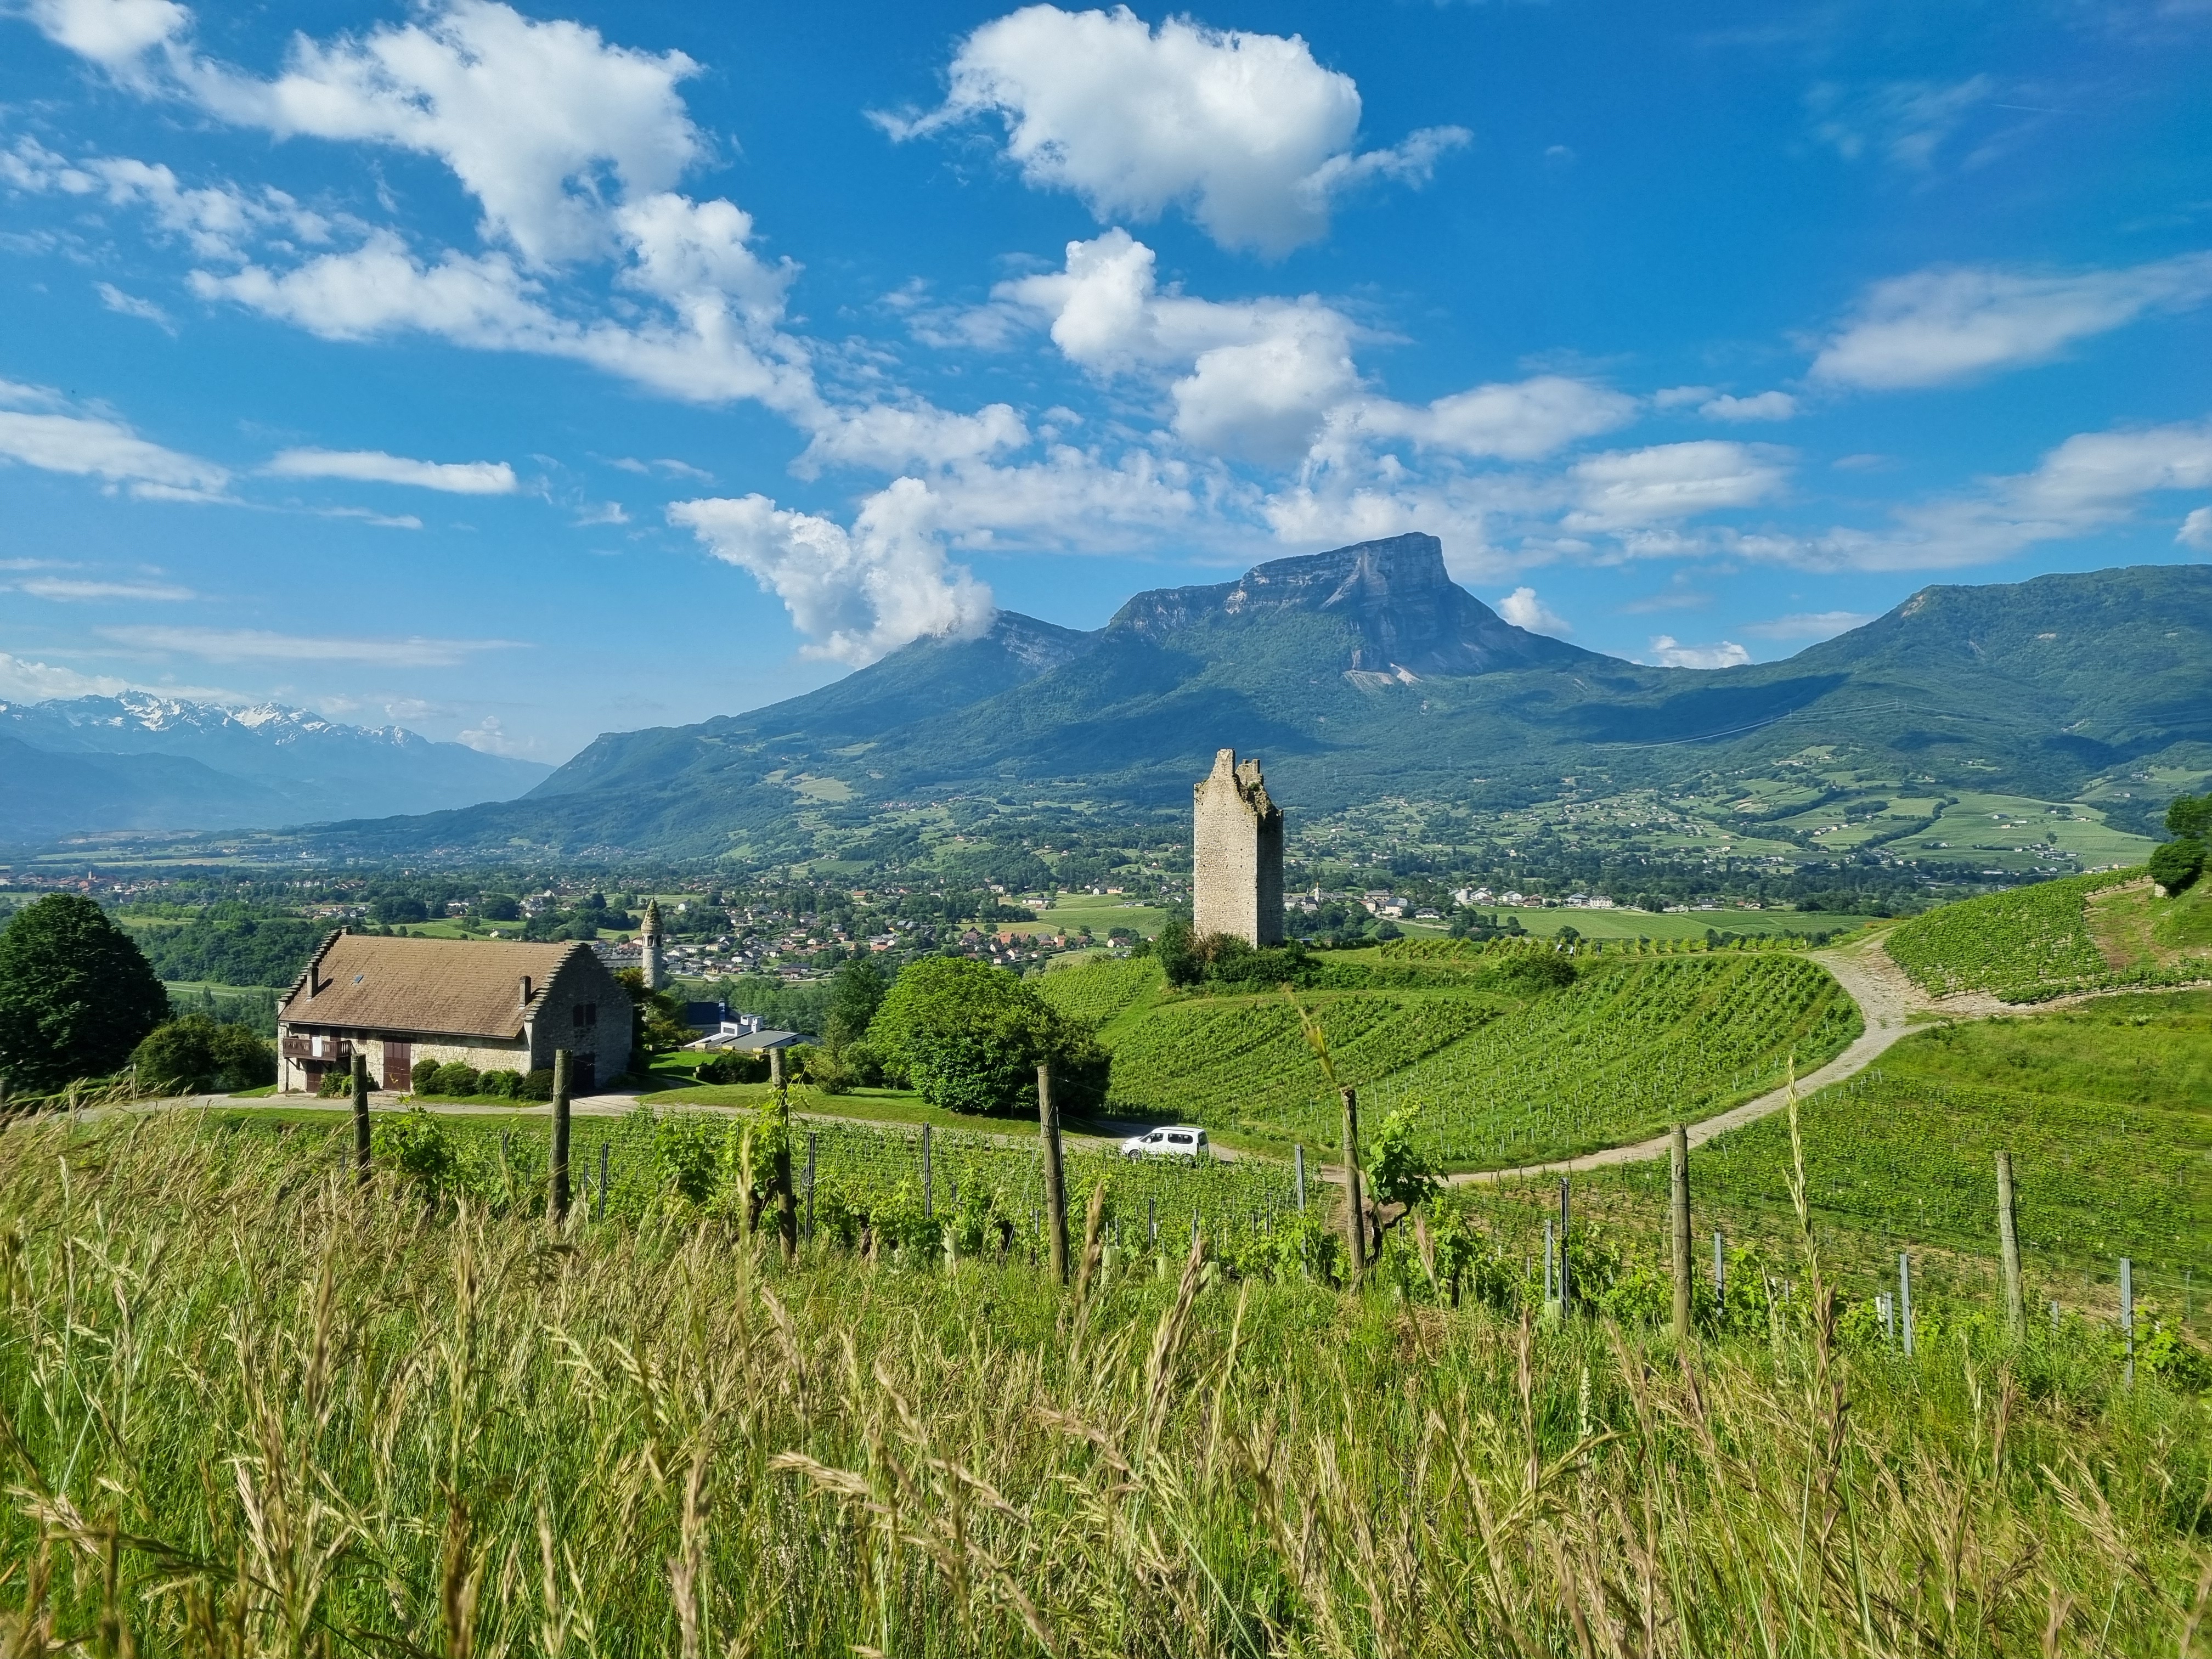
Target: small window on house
583, 1014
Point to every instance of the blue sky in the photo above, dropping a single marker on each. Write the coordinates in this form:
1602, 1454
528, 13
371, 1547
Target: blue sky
521, 373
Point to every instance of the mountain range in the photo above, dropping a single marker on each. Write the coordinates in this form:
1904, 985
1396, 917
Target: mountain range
140, 762
1365, 672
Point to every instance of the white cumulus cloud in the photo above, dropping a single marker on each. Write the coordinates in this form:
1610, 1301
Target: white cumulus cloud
1934, 327
116, 35
2197, 529
1524, 610
374, 466
1624, 489
1667, 652
1766, 406
1244, 130
858, 593
546, 124
1520, 420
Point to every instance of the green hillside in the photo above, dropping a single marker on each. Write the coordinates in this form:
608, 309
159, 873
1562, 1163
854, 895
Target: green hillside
1494, 1076
2085, 933
2106, 1109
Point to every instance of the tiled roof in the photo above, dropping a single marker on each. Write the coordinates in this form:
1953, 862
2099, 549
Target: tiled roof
460, 987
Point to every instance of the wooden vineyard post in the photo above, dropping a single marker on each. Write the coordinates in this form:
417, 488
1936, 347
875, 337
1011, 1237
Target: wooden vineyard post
601, 1214
1720, 1269
2015, 1303
1679, 1216
558, 1195
810, 1183
360, 1118
1055, 1178
1298, 1158
1904, 1299
2127, 1313
786, 1212
1566, 1289
1355, 1220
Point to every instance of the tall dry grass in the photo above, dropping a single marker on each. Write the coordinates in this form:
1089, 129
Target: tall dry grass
246, 1409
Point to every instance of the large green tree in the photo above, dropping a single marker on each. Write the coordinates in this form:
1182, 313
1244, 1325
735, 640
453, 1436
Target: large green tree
76, 995
855, 992
970, 1036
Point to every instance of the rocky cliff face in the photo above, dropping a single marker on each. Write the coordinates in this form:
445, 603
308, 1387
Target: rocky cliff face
1408, 611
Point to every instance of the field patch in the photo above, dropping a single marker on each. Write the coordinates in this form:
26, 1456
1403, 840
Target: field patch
2105, 1108
1098, 991
1494, 1077
1241, 1062
2081, 933
1621, 1054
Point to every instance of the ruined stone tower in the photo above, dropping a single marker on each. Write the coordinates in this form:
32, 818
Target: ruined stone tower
1237, 853
649, 942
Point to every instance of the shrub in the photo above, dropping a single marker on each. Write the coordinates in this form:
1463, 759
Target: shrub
418, 1148
455, 1077
826, 1071
425, 1074
499, 1083
729, 1066
536, 1086
195, 1054
2175, 865
1530, 972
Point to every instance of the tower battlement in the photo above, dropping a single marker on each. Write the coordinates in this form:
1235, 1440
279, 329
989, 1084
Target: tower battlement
1237, 853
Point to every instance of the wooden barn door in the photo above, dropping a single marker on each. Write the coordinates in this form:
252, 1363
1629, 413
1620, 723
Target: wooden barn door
398, 1066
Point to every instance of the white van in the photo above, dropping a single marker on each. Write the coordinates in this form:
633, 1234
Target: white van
1181, 1141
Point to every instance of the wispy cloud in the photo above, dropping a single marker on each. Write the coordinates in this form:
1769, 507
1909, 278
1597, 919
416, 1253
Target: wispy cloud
374, 466
1810, 625
261, 645
130, 305
1936, 327
54, 587
88, 444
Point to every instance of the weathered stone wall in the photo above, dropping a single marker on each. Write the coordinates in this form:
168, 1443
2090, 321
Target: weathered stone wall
1237, 853
583, 981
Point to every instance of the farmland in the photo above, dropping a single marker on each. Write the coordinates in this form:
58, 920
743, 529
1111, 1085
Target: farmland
1493, 1076
1621, 1054
2034, 943
2103, 1107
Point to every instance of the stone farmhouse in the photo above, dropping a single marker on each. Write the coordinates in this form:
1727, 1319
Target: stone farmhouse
491, 1006
1237, 853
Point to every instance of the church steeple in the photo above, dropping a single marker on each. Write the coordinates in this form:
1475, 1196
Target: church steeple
649, 939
